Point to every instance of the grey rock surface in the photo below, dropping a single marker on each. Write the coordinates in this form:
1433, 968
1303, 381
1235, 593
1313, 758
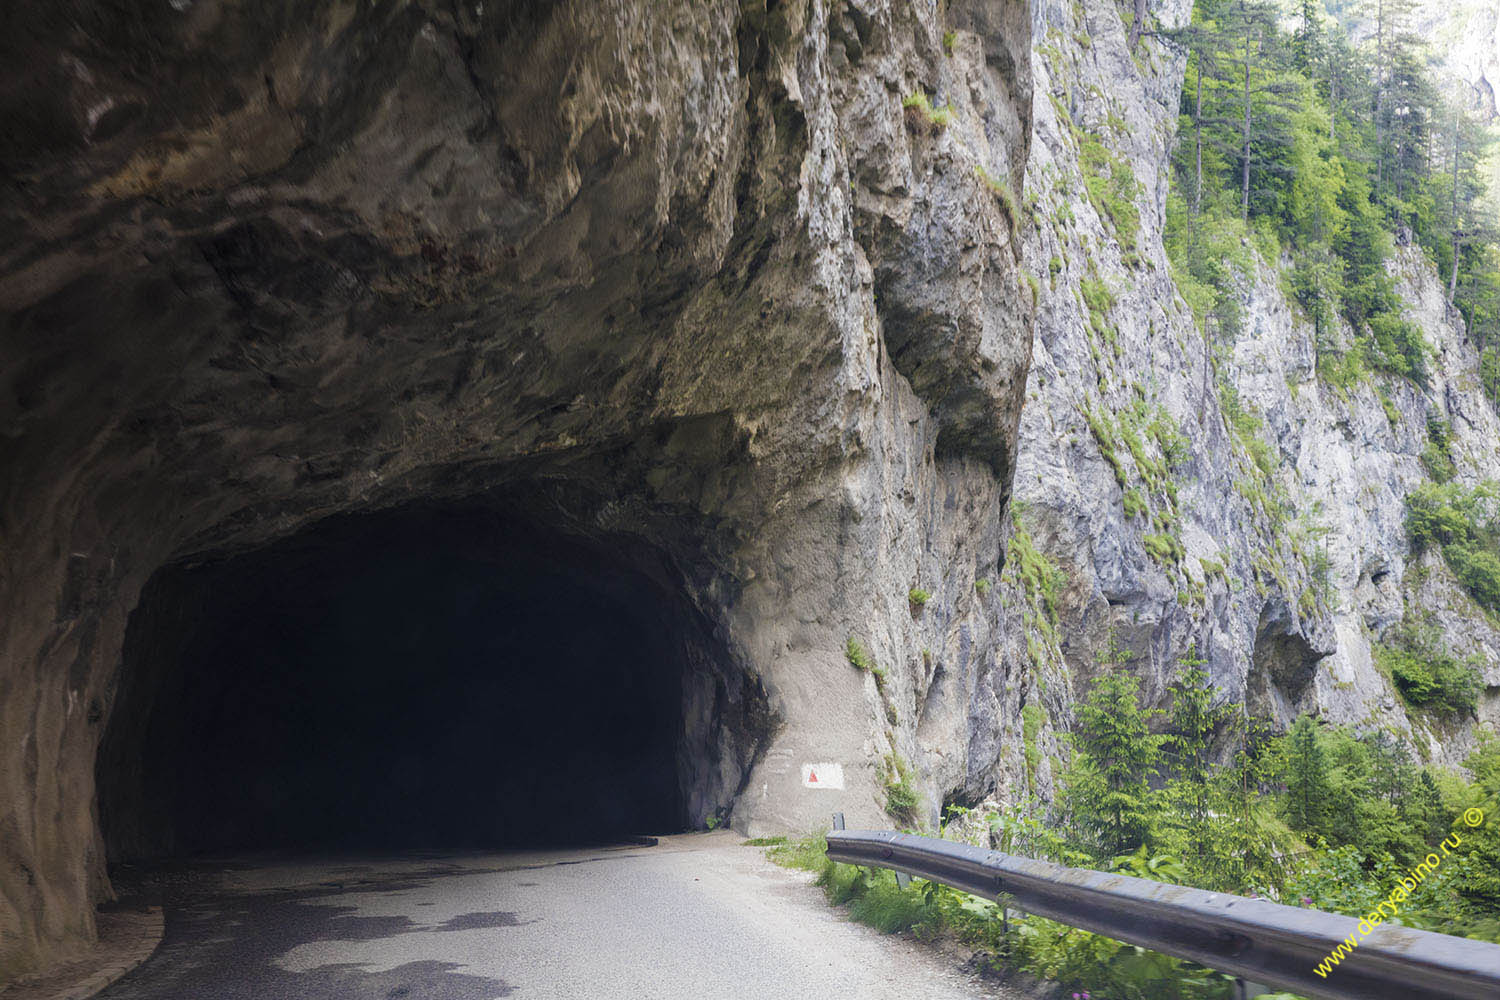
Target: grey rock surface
681, 276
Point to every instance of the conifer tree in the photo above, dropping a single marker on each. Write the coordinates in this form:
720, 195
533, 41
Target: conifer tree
1109, 795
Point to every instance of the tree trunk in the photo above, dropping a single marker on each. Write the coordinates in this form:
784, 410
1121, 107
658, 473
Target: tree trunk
1379, 90
1245, 148
1453, 213
1137, 22
1197, 153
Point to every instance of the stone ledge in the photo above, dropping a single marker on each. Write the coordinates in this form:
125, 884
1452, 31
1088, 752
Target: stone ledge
126, 939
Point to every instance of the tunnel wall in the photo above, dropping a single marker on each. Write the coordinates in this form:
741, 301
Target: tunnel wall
271, 264
422, 678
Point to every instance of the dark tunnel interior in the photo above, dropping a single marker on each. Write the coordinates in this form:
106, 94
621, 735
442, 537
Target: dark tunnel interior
396, 681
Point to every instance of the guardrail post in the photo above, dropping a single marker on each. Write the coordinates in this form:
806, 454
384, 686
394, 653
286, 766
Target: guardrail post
838, 821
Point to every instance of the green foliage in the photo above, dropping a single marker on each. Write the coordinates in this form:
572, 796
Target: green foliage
1358, 815
1041, 577
917, 597
983, 586
1099, 300
1464, 525
921, 104
949, 38
1306, 777
1163, 548
902, 800
1436, 455
1425, 672
1108, 783
1314, 152
1006, 197
1032, 718
857, 655
1104, 433
1112, 188
1489, 372
809, 854
1392, 415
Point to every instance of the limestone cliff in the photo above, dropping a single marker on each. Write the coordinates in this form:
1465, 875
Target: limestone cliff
1204, 494
847, 325
679, 279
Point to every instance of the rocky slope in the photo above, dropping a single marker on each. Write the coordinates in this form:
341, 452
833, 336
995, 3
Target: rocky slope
1204, 496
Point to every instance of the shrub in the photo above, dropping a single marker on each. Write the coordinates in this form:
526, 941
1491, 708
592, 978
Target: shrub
1465, 526
1436, 453
917, 597
858, 655
1425, 672
919, 102
901, 798
1111, 186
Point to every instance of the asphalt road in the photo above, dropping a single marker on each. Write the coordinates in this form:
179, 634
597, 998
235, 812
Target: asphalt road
696, 916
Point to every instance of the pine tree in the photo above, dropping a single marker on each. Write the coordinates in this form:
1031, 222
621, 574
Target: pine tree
1108, 785
1306, 779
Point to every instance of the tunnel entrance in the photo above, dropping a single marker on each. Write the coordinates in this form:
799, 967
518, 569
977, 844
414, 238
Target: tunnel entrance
421, 679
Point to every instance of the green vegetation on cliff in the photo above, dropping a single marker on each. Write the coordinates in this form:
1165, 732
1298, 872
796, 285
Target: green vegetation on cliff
1321, 155
1464, 525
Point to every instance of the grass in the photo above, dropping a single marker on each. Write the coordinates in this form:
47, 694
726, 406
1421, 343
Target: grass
1164, 548
873, 896
919, 102
763, 842
1112, 188
809, 854
1000, 190
858, 655
983, 586
902, 800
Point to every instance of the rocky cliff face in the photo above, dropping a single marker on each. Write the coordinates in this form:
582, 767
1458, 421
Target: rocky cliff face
678, 280
793, 308
1206, 496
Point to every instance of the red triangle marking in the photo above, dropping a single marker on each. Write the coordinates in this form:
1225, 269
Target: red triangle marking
812, 776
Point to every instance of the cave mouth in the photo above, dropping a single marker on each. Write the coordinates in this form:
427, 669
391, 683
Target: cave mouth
419, 679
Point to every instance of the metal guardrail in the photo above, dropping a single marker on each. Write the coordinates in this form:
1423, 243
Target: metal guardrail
1252, 938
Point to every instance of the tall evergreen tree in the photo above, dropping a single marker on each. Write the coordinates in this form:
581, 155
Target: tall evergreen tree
1108, 785
1306, 777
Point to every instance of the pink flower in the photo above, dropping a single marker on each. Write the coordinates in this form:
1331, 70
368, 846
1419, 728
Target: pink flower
1306, 900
